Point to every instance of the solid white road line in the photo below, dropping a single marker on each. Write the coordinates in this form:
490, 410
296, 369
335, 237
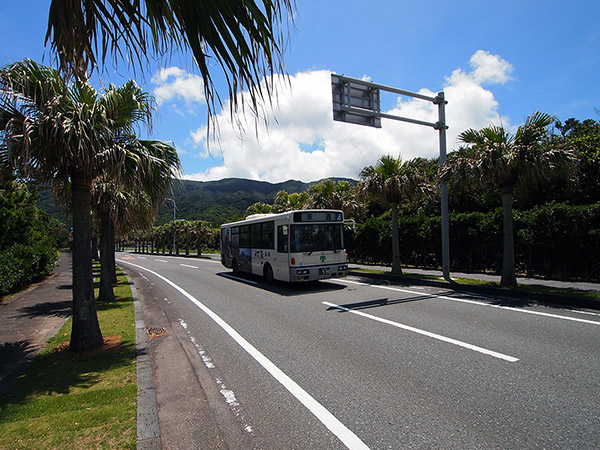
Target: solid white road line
439, 337
471, 302
320, 412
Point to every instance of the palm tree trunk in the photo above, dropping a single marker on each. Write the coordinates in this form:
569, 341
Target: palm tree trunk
509, 277
106, 293
112, 265
85, 333
396, 269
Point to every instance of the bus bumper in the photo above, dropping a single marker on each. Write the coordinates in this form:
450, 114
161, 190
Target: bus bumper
312, 273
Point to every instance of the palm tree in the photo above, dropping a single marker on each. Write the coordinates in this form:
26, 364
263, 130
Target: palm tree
147, 169
243, 37
259, 208
505, 161
333, 195
67, 135
288, 202
391, 182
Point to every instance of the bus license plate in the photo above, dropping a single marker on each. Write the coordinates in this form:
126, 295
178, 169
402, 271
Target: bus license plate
324, 271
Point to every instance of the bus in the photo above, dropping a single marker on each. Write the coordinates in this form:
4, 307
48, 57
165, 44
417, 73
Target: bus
293, 246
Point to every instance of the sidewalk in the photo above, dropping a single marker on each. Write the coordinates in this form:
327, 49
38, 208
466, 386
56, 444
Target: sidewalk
30, 318
581, 285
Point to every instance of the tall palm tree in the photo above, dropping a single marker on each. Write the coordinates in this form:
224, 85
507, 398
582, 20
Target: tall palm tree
132, 196
497, 157
147, 168
246, 38
64, 134
391, 182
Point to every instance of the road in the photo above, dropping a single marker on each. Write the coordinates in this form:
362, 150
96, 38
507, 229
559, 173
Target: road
354, 363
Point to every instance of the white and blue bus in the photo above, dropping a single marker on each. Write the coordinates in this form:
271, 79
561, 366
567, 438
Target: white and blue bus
303, 245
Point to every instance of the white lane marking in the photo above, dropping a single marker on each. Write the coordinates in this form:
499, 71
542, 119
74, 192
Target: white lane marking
141, 257
161, 260
187, 265
439, 337
472, 302
205, 358
343, 433
233, 403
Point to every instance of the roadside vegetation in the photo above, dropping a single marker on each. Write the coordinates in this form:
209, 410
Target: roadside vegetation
84, 400
29, 238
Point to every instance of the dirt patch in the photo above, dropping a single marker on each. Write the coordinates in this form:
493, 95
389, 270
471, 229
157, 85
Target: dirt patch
111, 344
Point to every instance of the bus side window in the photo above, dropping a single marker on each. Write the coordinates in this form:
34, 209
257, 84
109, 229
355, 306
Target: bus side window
282, 238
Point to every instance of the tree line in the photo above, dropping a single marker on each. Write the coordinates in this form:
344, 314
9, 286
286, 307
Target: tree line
547, 170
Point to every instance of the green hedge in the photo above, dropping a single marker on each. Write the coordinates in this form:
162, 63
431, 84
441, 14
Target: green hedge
554, 240
21, 264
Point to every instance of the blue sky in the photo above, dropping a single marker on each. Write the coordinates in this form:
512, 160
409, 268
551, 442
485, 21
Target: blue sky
497, 62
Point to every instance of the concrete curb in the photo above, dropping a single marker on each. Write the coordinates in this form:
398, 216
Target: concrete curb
148, 429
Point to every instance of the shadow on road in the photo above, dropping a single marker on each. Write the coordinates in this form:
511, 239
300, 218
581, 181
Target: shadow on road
282, 288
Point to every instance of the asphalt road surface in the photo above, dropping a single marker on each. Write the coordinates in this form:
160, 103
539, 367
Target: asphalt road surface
355, 363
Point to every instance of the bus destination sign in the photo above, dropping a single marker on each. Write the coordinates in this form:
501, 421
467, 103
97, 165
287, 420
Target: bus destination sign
318, 217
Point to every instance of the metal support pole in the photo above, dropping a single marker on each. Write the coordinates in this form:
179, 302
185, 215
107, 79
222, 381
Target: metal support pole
441, 102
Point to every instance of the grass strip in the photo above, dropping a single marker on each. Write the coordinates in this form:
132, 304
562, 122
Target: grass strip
78, 400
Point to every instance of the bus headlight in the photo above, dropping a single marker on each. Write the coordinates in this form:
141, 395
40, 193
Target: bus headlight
302, 272
342, 268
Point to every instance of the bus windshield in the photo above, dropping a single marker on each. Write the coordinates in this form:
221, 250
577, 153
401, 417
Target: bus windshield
316, 237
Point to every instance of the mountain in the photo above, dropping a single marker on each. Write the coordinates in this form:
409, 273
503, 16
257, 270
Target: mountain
213, 201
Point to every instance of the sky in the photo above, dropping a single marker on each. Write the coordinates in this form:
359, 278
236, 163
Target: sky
496, 62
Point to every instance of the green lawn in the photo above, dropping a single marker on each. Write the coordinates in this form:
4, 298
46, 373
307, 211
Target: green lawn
76, 401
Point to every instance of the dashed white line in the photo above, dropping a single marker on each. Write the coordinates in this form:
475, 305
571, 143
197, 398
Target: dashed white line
343, 433
439, 337
187, 265
471, 302
161, 260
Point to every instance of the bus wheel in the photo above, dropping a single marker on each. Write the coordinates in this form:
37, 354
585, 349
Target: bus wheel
235, 268
268, 274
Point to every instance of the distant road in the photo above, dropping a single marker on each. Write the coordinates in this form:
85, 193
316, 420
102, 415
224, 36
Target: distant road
357, 364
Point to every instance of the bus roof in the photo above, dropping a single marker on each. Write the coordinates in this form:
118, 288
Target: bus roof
288, 214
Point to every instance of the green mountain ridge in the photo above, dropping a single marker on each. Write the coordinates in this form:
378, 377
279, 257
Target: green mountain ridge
213, 201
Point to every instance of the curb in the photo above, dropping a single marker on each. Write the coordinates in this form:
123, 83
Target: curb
553, 299
148, 429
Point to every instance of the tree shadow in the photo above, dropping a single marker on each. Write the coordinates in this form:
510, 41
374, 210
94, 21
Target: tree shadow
58, 309
59, 372
13, 356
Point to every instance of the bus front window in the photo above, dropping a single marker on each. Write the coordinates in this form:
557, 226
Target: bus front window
316, 237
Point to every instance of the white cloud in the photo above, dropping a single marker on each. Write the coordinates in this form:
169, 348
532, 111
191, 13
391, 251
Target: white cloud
174, 83
304, 143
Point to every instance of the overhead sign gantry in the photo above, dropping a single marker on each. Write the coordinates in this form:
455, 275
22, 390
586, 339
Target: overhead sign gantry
359, 102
